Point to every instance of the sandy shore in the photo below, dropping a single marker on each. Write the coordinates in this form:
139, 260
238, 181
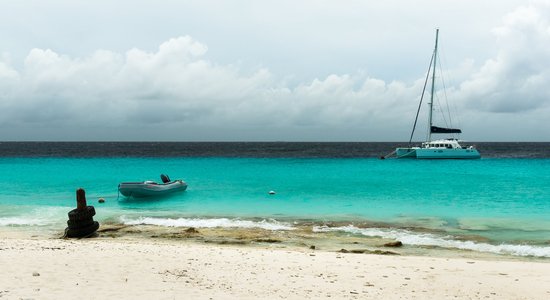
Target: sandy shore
113, 268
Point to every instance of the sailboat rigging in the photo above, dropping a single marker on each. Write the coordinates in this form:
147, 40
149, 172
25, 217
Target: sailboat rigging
440, 148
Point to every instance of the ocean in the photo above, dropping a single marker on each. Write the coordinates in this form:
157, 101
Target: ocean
498, 205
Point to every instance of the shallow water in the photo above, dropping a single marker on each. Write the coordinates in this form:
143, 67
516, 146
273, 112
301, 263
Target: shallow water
493, 205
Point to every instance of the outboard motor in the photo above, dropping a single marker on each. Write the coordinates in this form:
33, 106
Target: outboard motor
164, 178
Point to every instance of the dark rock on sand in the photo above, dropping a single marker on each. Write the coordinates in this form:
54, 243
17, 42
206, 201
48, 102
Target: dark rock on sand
394, 244
226, 242
191, 230
381, 252
268, 240
362, 251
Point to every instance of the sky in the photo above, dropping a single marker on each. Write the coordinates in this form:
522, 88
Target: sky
286, 70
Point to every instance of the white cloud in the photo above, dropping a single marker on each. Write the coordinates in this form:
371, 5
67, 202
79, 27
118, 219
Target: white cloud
177, 86
7, 73
516, 79
177, 92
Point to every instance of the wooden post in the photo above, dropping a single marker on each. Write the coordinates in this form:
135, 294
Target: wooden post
80, 199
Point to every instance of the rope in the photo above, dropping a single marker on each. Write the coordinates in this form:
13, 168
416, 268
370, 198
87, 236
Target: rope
397, 156
400, 156
388, 155
64, 236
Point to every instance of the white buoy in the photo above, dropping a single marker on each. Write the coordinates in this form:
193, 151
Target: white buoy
272, 192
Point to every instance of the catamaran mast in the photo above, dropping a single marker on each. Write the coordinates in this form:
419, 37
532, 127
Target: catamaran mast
433, 87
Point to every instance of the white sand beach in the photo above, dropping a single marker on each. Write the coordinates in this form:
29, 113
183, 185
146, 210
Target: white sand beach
114, 268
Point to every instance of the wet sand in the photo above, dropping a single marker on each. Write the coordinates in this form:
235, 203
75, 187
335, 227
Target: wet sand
140, 262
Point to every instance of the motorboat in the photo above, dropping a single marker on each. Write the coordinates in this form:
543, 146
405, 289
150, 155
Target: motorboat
150, 188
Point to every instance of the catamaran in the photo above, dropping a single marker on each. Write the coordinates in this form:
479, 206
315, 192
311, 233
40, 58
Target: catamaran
439, 148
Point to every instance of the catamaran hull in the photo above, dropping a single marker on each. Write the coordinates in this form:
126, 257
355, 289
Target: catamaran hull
427, 153
405, 152
448, 153
142, 189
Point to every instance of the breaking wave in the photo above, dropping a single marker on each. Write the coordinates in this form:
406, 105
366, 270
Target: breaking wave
428, 239
23, 221
207, 223
26, 216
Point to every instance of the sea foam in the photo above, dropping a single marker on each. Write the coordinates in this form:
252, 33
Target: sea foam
207, 223
27, 216
427, 239
23, 221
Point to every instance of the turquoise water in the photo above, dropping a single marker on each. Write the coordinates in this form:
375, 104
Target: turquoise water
506, 201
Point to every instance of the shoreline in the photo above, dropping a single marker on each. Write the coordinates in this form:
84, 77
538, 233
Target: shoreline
304, 237
133, 266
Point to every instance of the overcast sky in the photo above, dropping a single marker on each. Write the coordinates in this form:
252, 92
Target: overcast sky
270, 70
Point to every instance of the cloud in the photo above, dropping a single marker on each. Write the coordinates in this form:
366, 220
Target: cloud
178, 86
516, 79
176, 92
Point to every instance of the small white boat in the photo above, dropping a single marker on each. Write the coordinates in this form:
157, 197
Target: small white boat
150, 188
440, 148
